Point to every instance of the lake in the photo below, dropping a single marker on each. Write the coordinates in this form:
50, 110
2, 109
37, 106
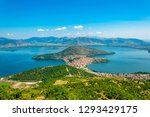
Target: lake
14, 60
126, 60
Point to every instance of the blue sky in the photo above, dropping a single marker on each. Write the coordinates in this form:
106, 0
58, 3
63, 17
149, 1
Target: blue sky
104, 18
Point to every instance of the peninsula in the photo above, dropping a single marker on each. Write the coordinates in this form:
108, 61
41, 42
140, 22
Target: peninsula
76, 56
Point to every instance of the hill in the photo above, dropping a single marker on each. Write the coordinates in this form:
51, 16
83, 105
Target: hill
5, 41
68, 83
72, 51
45, 73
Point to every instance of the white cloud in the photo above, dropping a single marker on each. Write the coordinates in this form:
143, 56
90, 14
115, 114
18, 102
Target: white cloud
61, 28
10, 34
78, 27
98, 32
40, 30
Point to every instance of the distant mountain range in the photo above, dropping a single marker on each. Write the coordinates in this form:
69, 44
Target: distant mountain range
40, 41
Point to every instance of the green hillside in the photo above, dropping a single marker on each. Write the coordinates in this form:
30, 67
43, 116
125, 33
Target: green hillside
73, 88
64, 82
72, 50
45, 73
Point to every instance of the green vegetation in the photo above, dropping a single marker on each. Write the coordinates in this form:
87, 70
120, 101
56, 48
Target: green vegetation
73, 88
45, 73
68, 83
142, 73
73, 50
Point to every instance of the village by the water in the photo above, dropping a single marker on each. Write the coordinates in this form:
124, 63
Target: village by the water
82, 61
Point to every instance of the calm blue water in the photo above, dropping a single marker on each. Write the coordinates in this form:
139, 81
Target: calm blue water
14, 60
126, 60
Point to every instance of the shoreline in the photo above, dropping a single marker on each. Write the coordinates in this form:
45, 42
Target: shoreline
82, 63
138, 76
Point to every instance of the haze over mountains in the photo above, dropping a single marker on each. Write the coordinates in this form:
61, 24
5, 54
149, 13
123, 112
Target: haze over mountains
39, 41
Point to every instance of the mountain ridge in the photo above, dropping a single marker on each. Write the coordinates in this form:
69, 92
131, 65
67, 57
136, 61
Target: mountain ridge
73, 41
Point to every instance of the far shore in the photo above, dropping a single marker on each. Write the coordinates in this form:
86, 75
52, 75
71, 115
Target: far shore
62, 45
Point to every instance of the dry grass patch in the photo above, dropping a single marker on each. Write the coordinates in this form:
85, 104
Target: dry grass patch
60, 82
